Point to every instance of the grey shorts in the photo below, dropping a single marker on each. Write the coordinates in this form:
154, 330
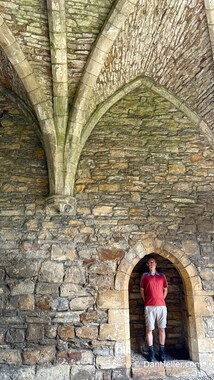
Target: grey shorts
156, 314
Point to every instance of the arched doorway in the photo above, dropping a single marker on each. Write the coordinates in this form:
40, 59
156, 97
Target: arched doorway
177, 320
193, 294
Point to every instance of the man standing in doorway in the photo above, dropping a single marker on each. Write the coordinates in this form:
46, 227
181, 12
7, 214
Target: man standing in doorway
153, 289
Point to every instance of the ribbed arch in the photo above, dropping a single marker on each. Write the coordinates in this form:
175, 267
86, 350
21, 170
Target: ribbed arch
42, 108
105, 106
118, 15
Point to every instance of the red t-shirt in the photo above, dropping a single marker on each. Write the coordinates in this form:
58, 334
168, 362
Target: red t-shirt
153, 286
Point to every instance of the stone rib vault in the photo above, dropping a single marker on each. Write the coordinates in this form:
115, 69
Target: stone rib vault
106, 156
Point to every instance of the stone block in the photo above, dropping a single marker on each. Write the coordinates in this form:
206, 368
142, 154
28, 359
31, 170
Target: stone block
50, 289
56, 372
71, 290
206, 345
101, 282
23, 287
40, 355
181, 368
15, 335
51, 272
24, 269
103, 267
35, 333
92, 316
17, 372
27, 302
62, 253
44, 302
147, 370
66, 317
191, 247
80, 372
118, 315
87, 332
114, 331
66, 332
7, 39
60, 304
110, 362
206, 363
122, 281
69, 356
112, 300
111, 254
113, 187
102, 211
74, 275
10, 356
81, 303
51, 331
87, 357
209, 326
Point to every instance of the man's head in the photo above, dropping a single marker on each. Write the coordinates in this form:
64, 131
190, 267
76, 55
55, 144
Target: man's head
152, 263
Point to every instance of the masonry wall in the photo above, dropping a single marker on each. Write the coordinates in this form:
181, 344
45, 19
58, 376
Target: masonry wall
145, 172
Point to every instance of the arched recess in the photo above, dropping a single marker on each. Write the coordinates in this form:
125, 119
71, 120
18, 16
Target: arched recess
177, 326
120, 94
192, 286
41, 106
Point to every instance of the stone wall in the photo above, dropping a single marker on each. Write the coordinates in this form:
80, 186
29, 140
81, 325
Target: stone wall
145, 173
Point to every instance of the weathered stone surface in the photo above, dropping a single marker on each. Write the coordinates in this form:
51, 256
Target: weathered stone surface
149, 370
51, 272
15, 336
10, 356
113, 331
87, 332
110, 362
79, 372
111, 299
71, 357
70, 290
19, 270
101, 282
17, 372
39, 355
35, 333
66, 332
44, 302
23, 287
111, 254
92, 316
56, 372
74, 275
181, 368
81, 303
145, 171
62, 252
26, 302
102, 211
47, 289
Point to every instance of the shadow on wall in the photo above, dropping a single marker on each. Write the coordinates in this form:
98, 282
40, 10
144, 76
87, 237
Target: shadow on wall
176, 332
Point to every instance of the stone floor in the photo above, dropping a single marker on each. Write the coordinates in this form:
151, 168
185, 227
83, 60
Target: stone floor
172, 368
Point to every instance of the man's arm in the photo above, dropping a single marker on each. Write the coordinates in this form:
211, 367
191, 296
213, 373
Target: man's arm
165, 292
142, 294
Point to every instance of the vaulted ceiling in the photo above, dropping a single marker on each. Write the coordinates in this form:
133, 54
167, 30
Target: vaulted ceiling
64, 63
